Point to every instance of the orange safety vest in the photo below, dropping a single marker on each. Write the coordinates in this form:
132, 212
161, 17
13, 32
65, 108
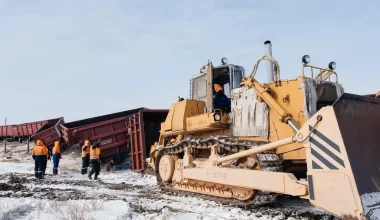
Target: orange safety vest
87, 151
95, 153
39, 151
56, 149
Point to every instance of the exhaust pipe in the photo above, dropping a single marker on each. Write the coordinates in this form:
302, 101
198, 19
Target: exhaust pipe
268, 51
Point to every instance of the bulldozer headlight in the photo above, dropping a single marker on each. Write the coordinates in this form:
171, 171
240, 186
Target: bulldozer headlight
217, 117
306, 59
224, 61
332, 65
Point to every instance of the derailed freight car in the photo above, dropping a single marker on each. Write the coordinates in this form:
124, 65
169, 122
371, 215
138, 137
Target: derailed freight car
21, 132
370, 95
49, 133
121, 134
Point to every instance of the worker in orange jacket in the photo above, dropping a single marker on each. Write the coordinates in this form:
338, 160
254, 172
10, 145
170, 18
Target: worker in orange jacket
56, 152
85, 156
94, 160
39, 155
377, 94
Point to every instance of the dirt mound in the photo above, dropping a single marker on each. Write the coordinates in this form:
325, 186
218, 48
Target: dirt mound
5, 187
11, 187
74, 150
15, 188
14, 183
16, 179
123, 186
68, 194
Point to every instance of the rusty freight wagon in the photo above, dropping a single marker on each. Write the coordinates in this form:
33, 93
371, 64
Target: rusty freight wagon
121, 134
49, 133
21, 132
370, 95
6, 132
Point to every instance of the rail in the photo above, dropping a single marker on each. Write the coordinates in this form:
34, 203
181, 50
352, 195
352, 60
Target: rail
323, 74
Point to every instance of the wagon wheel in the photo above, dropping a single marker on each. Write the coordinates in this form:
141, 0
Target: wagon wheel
105, 167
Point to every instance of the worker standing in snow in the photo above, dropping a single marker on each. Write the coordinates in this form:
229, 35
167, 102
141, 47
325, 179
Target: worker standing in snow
94, 160
56, 156
85, 156
39, 154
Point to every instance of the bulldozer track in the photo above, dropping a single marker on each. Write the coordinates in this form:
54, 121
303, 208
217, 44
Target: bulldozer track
269, 161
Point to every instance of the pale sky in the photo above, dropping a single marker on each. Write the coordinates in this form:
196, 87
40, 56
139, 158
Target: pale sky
81, 59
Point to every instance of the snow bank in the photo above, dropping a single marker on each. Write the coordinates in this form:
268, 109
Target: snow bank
16, 152
111, 210
128, 177
6, 167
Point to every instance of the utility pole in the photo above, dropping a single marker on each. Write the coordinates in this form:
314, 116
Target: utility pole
28, 141
5, 141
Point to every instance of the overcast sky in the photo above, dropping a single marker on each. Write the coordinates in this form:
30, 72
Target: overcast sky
81, 59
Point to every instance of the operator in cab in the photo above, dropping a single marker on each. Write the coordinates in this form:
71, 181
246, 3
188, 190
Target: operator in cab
221, 101
377, 95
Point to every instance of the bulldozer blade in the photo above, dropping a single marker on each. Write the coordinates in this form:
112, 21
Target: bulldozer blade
359, 122
344, 157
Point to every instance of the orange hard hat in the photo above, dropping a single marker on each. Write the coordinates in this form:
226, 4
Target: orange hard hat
56, 143
39, 143
217, 87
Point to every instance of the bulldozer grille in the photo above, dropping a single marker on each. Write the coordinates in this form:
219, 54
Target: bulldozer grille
198, 88
358, 118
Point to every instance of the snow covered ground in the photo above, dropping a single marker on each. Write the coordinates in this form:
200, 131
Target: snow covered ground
119, 195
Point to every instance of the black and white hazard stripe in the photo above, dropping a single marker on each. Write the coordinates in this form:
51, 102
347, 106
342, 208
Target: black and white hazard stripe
325, 153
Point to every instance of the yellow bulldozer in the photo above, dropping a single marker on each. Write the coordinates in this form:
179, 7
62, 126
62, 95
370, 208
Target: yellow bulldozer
302, 137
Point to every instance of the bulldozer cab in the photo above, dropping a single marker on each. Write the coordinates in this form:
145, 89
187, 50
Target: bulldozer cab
228, 76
